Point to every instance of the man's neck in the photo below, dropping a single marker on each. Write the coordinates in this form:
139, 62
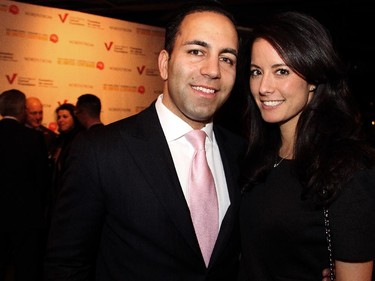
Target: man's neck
93, 124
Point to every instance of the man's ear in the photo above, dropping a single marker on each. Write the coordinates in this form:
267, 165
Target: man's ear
163, 64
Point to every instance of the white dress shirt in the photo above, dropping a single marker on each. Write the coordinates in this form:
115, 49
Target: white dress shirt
182, 153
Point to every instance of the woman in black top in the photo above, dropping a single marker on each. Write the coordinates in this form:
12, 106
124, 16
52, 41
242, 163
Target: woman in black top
306, 154
68, 127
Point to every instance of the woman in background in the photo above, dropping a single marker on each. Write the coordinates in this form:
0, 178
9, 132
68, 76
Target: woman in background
308, 161
68, 128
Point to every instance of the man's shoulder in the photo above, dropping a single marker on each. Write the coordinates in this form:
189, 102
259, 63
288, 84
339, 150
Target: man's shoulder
13, 125
139, 125
46, 130
143, 117
230, 140
230, 134
16, 130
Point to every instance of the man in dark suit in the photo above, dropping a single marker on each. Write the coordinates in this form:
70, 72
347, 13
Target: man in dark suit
23, 167
124, 202
88, 109
34, 119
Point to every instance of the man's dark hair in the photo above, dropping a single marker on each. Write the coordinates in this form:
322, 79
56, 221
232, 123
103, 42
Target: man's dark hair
90, 104
12, 102
174, 24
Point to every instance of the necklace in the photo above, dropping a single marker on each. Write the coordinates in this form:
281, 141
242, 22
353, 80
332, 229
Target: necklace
278, 163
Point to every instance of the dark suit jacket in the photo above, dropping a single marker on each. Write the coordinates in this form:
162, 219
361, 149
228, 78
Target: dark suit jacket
23, 176
121, 187
49, 137
96, 126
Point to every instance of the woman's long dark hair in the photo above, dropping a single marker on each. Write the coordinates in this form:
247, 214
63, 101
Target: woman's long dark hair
330, 146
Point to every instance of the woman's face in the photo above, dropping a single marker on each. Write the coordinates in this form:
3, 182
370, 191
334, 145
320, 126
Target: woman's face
65, 120
280, 93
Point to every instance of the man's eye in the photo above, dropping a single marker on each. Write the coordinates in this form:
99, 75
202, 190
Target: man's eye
228, 60
196, 52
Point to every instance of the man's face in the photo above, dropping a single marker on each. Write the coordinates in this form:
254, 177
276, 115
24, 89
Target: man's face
34, 113
79, 113
200, 73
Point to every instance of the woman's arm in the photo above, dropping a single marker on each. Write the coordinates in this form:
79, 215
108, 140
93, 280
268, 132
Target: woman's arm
349, 271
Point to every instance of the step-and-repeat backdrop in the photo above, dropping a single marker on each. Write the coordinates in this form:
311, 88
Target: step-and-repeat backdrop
58, 55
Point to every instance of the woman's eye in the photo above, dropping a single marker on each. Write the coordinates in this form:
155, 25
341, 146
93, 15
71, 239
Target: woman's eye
282, 71
255, 72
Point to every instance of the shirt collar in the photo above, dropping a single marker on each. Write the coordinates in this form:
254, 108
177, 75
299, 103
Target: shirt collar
10, 117
173, 126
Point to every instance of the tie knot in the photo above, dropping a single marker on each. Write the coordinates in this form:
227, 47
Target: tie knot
197, 138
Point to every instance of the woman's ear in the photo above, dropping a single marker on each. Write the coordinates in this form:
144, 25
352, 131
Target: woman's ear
312, 88
163, 64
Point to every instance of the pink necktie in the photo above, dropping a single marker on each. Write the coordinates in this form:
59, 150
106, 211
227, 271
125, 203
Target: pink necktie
202, 196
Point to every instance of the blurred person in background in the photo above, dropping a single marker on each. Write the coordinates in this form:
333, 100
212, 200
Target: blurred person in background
88, 108
23, 174
68, 128
34, 119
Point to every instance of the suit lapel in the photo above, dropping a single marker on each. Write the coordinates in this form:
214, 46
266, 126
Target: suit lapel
231, 168
146, 139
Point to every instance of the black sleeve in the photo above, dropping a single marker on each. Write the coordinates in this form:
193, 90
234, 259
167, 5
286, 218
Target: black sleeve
352, 218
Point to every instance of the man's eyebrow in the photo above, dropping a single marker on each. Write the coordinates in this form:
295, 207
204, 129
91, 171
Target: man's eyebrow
205, 44
230, 51
196, 42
